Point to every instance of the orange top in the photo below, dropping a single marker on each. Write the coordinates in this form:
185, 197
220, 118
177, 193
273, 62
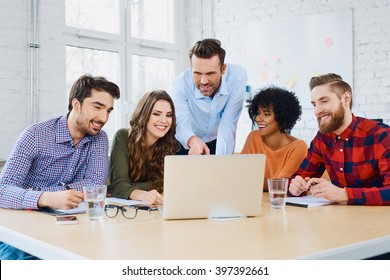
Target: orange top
280, 163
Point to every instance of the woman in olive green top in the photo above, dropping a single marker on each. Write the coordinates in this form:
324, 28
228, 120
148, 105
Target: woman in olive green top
137, 154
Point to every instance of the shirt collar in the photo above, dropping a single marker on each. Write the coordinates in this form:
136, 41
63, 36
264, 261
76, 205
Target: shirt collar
63, 134
347, 133
62, 131
222, 90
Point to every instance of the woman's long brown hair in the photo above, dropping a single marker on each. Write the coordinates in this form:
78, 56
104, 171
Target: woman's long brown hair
147, 163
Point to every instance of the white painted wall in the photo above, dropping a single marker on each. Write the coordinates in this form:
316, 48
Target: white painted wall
15, 67
13, 73
371, 44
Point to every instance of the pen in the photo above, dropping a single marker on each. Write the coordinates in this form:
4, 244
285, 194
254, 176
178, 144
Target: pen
65, 186
312, 184
297, 204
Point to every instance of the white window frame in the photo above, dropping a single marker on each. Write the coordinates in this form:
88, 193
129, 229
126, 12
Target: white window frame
78, 37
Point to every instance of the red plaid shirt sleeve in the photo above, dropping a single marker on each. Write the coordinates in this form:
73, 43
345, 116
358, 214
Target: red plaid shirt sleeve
358, 159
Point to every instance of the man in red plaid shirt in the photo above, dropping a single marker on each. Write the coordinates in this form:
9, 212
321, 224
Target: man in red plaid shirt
355, 151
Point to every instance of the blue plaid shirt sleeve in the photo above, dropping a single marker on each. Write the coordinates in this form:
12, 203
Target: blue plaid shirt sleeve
44, 157
14, 175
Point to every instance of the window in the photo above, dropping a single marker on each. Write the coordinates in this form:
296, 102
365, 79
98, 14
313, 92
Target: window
150, 73
97, 15
139, 56
152, 20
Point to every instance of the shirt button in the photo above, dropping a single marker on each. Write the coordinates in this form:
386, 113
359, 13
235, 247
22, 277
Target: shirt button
341, 150
346, 139
341, 169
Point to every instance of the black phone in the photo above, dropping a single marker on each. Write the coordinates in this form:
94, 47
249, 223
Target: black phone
145, 207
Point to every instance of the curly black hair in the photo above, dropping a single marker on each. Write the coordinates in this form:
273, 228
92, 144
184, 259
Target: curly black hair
283, 103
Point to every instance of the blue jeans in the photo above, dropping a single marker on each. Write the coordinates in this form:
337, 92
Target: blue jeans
8, 252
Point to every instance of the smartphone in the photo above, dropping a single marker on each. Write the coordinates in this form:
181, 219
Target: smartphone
67, 220
145, 207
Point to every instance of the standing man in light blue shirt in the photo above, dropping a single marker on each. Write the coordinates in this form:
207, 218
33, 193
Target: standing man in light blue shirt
208, 98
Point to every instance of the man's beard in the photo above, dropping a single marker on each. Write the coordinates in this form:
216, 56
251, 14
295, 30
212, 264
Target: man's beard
83, 127
335, 123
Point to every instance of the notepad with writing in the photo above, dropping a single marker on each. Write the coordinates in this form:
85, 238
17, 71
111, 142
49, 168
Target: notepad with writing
307, 201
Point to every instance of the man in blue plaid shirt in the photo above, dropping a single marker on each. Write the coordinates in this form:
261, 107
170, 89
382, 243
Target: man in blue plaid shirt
52, 160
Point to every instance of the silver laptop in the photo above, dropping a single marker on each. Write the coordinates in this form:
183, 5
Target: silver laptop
229, 186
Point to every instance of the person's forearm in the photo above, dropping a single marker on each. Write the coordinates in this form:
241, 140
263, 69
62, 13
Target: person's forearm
137, 194
125, 189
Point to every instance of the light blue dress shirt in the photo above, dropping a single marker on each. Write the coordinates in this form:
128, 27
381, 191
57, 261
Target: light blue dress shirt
210, 118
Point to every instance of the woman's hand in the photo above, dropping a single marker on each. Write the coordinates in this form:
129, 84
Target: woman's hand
152, 197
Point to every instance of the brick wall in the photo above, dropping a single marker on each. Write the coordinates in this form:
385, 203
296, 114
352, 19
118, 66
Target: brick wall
15, 67
14, 98
371, 44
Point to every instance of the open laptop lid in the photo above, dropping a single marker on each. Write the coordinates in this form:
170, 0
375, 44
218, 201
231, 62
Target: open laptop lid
213, 186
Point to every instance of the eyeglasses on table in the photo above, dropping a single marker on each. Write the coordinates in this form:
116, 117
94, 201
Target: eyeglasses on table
129, 212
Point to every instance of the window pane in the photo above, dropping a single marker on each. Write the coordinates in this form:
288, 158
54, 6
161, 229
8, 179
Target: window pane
97, 15
80, 61
149, 73
152, 20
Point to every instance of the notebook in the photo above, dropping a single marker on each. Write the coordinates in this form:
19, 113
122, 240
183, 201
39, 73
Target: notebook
78, 210
307, 201
213, 186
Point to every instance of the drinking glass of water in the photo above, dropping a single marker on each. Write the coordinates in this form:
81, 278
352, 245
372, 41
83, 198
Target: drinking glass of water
94, 197
277, 188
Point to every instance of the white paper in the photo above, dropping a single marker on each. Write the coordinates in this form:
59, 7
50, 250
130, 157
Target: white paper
308, 201
78, 210
122, 201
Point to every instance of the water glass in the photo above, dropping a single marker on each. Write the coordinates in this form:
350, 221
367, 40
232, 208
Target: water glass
277, 188
94, 197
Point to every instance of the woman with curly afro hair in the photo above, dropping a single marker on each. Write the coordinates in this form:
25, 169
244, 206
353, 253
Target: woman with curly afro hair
275, 111
137, 154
